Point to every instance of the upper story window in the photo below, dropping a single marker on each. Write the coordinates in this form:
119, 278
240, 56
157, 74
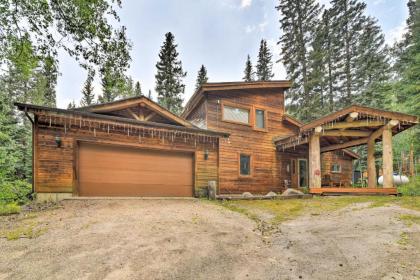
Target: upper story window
336, 168
260, 119
236, 114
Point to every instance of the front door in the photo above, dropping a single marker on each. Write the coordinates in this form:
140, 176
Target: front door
302, 173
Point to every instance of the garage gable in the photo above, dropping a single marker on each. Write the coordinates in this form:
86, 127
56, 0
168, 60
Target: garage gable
138, 108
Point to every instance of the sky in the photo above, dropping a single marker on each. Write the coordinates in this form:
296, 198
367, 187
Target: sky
216, 33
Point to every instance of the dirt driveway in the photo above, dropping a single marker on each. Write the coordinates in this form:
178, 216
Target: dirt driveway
193, 239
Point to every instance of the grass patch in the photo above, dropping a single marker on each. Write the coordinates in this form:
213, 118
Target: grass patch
412, 188
283, 210
9, 209
409, 220
31, 230
403, 241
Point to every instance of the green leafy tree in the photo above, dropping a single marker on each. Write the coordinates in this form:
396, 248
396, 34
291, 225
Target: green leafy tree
86, 26
264, 63
137, 89
88, 97
201, 77
169, 85
249, 71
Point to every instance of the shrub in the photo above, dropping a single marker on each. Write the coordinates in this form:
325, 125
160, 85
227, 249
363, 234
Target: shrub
412, 188
15, 191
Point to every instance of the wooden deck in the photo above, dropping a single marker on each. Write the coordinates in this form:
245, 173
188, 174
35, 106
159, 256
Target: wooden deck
388, 191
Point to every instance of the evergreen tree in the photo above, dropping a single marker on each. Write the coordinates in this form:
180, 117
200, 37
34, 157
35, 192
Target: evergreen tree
298, 22
72, 105
347, 25
407, 72
169, 86
201, 77
50, 73
87, 91
127, 89
137, 89
264, 64
249, 71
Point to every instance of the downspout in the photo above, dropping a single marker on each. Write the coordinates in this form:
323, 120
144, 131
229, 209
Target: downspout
33, 158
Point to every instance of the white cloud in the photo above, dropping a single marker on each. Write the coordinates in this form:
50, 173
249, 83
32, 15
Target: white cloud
395, 34
249, 28
263, 25
246, 3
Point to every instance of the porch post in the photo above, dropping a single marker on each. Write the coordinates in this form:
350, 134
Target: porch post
371, 164
387, 158
314, 161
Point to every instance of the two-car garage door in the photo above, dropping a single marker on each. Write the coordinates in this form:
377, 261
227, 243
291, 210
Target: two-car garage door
108, 170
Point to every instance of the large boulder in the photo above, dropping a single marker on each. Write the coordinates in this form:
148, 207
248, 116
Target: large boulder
292, 192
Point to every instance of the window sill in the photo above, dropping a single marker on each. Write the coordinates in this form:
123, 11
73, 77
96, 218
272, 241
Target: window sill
240, 123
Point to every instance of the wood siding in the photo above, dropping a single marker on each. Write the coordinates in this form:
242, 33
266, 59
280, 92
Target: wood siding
266, 164
198, 115
337, 157
56, 167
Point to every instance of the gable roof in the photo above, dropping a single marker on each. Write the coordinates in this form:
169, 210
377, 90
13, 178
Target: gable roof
209, 88
36, 109
128, 103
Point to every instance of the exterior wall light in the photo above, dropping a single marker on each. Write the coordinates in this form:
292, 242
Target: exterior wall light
206, 154
58, 141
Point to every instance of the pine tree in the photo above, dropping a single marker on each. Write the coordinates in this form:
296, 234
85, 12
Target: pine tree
264, 64
298, 22
249, 71
72, 105
201, 77
169, 76
347, 25
407, 71
137, 89
50, 73
87, 91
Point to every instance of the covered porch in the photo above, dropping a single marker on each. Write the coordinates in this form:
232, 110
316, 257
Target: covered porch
350, 127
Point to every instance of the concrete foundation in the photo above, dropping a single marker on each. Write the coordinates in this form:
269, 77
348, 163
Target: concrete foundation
45, 197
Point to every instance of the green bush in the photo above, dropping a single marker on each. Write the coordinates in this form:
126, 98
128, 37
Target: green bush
412, 188
15, 191
8, 209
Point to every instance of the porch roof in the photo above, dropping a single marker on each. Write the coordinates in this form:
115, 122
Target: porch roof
349, 127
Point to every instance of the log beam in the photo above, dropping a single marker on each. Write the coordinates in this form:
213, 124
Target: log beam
377, 133
314, 162
149, 116
371, 168
133, 114
349, 133
348, 144
352, 116
387, 160
353, 124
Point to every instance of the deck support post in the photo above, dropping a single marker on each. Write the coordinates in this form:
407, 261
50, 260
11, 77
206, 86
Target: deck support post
387, 160
371, 168
314, 161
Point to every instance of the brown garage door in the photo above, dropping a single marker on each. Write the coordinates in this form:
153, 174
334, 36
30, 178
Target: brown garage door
106, 170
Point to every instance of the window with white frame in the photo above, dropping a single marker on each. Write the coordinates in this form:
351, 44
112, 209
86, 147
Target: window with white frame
234, 114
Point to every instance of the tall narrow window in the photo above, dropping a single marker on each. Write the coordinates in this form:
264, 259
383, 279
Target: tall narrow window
245, 165
260, 119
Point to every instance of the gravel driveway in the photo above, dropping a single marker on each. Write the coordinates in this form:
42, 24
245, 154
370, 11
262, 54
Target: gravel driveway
193, 239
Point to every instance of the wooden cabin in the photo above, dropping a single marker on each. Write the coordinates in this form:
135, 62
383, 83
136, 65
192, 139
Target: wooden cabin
236, 134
